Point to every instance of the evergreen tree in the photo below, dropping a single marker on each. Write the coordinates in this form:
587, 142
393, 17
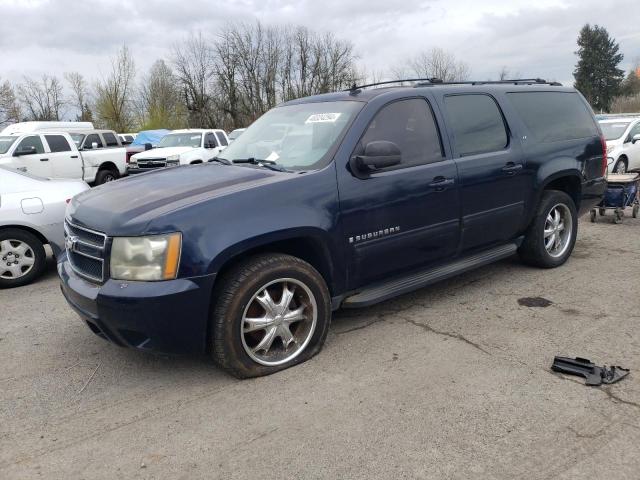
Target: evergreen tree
597, 74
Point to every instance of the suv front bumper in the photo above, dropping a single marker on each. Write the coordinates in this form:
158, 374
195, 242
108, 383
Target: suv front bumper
166, 317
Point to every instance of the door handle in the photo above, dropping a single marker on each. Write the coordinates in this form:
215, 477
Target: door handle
440, 183
511, 168
74, 156
44, 159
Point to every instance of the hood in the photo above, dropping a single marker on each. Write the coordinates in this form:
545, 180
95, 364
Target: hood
126, 206
162, 152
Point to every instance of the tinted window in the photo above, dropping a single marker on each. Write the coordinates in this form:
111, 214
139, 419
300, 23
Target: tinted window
477, 124
91, 139
57, 143
210, 141
77, 138
221, 139
110, 139
410, 125
31, 141
554, 116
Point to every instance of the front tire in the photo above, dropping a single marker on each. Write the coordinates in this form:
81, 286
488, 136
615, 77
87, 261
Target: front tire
620, 166
22, 258
270, 312
550, 238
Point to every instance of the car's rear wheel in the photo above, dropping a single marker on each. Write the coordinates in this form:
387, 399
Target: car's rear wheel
22, 258
106, 175
270, 312
550, 238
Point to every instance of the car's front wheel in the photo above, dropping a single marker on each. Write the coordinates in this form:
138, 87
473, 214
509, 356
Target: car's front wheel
620, 166
270, 312
106, 175
551, 235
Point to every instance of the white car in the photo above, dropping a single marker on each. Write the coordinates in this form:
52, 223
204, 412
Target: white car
32, 211
235, 134
622, 134
180, 147
31, 127
55, 154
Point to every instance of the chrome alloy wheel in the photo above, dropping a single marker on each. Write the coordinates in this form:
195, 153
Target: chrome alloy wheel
16, 259
279, 321
558, 229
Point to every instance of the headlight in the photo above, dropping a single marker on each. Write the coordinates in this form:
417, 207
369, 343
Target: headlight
173, 158
149, 258
133, 162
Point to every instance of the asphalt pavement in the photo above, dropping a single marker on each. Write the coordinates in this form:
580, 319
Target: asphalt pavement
449, 382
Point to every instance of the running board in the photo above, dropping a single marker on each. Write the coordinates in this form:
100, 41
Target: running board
398, 286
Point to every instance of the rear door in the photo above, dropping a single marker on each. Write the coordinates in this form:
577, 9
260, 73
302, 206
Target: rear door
493, 188
36, 163
65, 160
406, 216
211, 145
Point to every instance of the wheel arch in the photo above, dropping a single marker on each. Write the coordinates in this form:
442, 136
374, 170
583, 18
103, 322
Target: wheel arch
26, 228
109, 165
307, 244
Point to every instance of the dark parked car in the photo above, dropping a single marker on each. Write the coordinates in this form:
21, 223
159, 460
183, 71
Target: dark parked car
369, 194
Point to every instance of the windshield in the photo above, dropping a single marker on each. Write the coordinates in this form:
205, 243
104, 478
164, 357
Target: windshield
77, 138
192, 140
5, 143
613, 130
296, 137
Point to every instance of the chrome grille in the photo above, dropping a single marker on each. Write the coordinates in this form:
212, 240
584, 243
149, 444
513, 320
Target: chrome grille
86, 251
149, 163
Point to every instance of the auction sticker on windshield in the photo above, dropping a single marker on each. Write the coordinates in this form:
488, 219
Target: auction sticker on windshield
323, 118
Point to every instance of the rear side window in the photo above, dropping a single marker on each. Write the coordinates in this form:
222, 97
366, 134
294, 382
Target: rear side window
410, 125
57, 143
110, 139
93, 138
221, 139
210, 141
477, 124
554, 116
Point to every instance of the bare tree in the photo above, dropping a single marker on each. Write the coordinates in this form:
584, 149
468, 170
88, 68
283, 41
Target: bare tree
160, 103
43, 99
436, 63
9, 107
80, 96
193, 61
114, 94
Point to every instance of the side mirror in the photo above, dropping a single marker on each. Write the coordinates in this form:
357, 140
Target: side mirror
25, 151
635, 138
148, 146
377, 155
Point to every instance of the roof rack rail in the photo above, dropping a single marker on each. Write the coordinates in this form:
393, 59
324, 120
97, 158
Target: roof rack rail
422, 82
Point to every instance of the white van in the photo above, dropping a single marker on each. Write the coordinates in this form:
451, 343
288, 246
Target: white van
31, 127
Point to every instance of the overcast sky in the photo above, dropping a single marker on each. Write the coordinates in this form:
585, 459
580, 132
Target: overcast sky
535, 38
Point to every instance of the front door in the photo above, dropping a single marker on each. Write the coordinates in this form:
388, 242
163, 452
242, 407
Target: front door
493, 185
36, 163
405, 216
632, 149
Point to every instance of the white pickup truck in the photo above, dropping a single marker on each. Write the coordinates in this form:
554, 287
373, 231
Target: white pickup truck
180, 147
95, 156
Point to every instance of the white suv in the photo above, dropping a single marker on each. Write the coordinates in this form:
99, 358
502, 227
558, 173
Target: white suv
180, 147
622, 134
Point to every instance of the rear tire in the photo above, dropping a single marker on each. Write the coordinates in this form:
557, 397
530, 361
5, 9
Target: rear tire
106, 175
551, 236
25, 252
252, 339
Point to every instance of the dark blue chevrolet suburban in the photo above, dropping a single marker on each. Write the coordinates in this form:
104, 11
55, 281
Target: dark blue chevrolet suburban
336, 200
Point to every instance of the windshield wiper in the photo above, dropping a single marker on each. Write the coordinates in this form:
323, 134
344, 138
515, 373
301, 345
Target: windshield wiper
270, 164
223, 161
